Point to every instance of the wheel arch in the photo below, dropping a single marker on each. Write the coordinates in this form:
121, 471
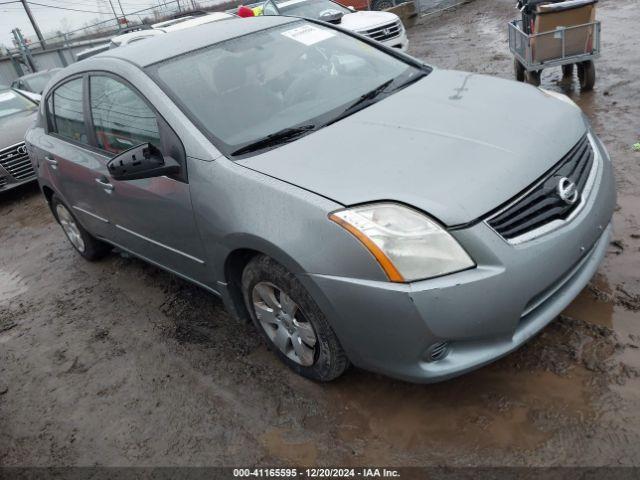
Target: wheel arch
245, 248
48, 193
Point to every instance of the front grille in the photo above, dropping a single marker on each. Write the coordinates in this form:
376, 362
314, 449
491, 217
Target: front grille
542, 204
384, 32
15, 160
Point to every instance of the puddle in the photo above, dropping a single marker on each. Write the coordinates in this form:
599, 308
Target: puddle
11, 285
495, 408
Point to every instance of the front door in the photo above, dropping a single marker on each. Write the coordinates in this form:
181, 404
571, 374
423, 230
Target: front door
152, 217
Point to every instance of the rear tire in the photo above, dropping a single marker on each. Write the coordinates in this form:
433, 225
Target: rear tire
290, 322
533, 77
519, 70
587, 75
82, 241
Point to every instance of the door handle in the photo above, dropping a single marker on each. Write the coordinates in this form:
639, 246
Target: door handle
104, 183
51, 161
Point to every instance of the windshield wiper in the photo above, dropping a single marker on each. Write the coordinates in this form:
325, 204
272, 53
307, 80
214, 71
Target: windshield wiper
278, 138
358, 104
370, 95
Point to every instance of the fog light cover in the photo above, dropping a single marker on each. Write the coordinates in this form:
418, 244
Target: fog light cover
437, 351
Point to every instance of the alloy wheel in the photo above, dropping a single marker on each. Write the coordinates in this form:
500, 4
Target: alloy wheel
284, 323
70, 227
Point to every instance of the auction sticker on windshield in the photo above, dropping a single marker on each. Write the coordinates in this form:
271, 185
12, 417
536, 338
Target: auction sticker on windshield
308, 34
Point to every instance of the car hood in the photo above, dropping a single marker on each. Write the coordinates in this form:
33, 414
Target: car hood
455, 145
358, 21
13, 127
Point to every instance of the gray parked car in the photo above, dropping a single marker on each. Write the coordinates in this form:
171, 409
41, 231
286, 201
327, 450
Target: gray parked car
17, 114
358, 205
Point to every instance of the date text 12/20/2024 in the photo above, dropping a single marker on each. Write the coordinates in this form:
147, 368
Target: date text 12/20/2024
316, 473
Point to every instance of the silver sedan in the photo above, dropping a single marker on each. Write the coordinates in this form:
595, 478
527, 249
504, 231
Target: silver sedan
357, 205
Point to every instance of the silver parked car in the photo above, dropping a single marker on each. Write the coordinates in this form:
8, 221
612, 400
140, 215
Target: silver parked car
358, 205
34, 82
17, 114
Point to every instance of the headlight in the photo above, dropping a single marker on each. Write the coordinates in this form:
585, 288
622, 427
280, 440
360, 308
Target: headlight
407, 244
559, 96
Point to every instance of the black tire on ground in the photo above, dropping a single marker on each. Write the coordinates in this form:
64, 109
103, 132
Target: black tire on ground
587, 75
381, 4
329, 360
533, 77
90, 248
519, 70
567, 70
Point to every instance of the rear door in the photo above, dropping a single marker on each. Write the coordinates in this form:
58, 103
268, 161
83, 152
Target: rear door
75, 168
152, 217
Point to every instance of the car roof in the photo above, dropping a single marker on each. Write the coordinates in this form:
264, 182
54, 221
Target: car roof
163, 47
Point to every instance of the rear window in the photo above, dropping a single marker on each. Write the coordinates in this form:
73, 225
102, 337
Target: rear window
309, 8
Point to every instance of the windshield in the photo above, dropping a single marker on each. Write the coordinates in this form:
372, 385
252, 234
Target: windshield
309, 8
244, 89
12, 102
38, 82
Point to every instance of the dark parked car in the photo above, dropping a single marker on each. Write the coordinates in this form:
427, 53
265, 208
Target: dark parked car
358, 205
17, 114
34, 82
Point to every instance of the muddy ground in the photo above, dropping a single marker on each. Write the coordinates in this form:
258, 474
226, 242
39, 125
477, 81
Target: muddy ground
119, 363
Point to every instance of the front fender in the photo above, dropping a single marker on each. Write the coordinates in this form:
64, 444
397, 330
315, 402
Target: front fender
238, 208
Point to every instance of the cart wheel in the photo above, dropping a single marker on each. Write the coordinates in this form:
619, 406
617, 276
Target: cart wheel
587, 75
567, 70
519, 70
533, 77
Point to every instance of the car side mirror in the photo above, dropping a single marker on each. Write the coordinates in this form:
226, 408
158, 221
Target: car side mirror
141, 161
353, 10
331, 16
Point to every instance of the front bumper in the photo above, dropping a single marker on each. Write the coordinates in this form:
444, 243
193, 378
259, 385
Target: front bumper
484, 313
7, 182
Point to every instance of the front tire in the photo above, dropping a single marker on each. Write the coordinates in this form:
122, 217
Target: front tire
82, 241
567, 71
519, 70
290, 321
587, 75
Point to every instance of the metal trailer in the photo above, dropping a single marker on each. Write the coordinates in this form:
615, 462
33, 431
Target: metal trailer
528, 68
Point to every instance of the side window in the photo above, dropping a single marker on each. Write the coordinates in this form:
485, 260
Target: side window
120, 117
67, 111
